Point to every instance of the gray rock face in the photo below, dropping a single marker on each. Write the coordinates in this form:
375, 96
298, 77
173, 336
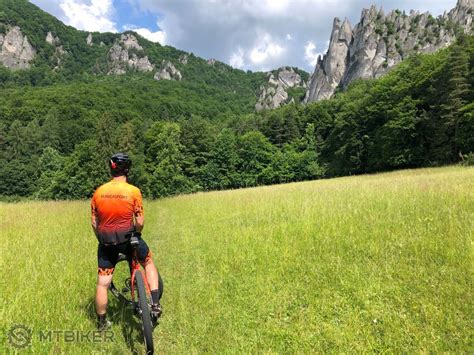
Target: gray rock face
462, 14
273, 94
168, 72
379, 42
129, 41
183, 59
334, 62
16, 51
289, 78
89, 39
59, 50
121, 60
51, 39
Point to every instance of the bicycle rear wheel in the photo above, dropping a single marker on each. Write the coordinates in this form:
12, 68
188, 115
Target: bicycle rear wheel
144, 310
161, 286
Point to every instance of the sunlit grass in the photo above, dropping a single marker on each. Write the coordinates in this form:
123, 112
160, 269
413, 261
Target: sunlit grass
369, 263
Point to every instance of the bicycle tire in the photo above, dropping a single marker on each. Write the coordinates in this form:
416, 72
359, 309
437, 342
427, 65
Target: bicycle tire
147, 327
161, 286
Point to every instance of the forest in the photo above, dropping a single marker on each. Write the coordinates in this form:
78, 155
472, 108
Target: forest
183, 137
62, 119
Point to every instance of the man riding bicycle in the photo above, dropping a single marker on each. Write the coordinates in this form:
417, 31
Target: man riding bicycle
117, 212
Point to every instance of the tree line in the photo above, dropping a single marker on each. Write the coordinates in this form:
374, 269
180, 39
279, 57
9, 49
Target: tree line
56, 140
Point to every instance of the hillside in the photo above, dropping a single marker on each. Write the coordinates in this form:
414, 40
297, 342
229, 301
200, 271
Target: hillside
379, 263
46, 52
59, 123
55, 140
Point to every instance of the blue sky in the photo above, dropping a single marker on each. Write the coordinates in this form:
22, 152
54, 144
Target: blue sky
128, 14
248, 34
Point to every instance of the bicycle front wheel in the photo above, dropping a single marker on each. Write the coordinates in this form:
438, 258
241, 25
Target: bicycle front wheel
144, 310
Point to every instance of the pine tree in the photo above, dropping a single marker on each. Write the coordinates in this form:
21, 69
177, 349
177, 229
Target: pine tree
457, 94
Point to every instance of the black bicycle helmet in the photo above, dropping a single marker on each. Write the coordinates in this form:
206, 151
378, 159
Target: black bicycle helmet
120, 164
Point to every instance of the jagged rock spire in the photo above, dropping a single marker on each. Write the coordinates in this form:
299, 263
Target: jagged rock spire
378, 42
330, 69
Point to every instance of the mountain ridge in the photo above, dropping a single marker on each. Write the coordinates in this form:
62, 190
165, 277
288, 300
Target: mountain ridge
379, 42
52, 51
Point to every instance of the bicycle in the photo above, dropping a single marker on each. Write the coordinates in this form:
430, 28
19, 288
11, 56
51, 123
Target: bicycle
140, 301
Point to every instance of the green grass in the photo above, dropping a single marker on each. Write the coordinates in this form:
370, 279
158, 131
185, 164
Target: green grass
368, 263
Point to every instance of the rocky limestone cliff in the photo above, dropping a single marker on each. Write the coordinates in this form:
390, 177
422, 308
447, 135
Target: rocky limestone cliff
274, 93
168, 72
334, 62
379, 42
58, 48
183, 59
51, 39
121, 59
16, 51
89, 40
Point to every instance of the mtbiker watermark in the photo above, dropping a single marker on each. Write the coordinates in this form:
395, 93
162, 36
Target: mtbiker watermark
20, 336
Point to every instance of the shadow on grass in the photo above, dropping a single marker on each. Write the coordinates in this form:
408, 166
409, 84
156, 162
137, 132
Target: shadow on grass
120, 314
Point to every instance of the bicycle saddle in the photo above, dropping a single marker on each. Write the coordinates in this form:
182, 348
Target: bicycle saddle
121, 257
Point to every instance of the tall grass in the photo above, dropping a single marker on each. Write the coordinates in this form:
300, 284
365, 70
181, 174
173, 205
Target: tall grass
368, 263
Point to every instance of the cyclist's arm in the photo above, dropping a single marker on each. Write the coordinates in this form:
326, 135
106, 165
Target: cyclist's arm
94, 216
139, 223
138, 212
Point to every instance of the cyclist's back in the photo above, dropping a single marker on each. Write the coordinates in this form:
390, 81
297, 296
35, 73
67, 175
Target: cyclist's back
115, 204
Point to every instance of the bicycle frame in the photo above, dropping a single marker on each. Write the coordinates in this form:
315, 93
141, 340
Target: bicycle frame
134, 267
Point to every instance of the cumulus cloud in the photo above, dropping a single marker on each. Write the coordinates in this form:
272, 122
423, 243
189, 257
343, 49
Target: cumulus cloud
157, 36
215, 28
265, 49
249, 34
311, 54
96, 16
237, 59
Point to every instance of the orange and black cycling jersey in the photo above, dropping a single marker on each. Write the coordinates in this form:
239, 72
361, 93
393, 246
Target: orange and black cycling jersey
114, 206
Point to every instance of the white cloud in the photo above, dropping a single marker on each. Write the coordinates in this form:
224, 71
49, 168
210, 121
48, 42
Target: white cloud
265, 49
158, 36
271, 7
310, 53
218, 28
237, 59
94, 17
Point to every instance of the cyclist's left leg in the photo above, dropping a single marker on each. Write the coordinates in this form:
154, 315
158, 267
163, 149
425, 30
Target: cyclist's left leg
106, 266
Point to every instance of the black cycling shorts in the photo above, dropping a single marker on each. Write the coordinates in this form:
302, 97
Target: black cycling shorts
107, 256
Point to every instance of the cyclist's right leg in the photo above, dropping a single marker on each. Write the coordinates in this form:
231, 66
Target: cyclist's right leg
144, 257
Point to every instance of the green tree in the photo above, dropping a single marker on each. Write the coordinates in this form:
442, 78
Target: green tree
308, 164
83, 172
255, 156
457, 95
15, 142
197, 136
50, 166
51, 131
164, 159
220, 171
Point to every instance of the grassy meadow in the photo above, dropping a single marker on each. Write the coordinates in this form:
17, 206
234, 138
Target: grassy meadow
368, 263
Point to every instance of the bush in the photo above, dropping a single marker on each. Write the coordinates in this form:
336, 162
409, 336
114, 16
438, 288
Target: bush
468, 159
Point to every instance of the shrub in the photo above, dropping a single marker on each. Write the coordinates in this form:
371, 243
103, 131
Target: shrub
468, 159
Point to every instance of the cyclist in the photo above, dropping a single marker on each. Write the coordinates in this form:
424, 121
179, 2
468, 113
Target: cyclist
117, 211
